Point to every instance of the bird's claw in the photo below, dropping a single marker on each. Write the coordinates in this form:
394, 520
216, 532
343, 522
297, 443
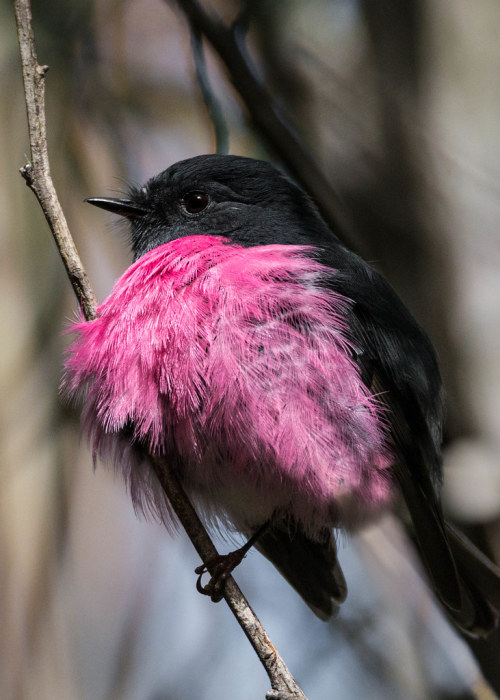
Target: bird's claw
220, 568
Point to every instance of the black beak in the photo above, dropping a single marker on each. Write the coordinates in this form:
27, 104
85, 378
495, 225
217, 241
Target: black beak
123, 207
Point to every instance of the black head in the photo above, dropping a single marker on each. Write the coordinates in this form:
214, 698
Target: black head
246, 200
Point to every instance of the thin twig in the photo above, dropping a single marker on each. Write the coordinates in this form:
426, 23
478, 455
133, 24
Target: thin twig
213, 105
273, 126
37, 172
282, 681
37, 176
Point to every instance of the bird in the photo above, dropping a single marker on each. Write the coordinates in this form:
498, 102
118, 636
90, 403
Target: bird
277, 374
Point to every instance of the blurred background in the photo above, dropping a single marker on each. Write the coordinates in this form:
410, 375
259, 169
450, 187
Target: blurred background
398, 105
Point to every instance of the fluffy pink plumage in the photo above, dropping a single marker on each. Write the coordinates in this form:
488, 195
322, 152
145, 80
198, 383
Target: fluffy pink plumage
235, 363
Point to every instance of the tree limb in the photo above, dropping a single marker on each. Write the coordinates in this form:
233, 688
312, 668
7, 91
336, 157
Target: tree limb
38, 179
282, 682
37, 172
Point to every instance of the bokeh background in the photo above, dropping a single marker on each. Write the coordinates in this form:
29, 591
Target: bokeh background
399, 104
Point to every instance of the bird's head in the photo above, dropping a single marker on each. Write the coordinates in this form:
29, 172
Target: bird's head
248, 201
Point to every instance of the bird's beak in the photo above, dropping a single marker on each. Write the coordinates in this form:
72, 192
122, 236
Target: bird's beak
123, 207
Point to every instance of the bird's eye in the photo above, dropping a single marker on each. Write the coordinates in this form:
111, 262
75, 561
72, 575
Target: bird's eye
195, 202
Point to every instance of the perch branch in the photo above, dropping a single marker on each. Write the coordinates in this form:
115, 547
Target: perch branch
37, 171
38, 178
283, 684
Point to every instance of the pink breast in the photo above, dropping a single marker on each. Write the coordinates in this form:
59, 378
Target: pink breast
236, 363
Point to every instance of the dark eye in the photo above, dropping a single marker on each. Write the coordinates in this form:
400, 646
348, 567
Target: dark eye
194, 202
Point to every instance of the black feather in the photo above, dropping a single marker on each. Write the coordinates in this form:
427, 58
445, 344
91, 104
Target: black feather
311, 567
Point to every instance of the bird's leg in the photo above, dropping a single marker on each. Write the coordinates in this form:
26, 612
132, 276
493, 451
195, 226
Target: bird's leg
223, 565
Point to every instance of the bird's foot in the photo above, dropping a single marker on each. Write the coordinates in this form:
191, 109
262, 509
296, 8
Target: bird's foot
220, 568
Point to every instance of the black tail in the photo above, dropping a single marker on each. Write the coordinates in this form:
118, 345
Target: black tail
310, 566
480, 580
466, 582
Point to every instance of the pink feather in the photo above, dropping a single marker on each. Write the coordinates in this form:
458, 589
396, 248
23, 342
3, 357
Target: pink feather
236, 364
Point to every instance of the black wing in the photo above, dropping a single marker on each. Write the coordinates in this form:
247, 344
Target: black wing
397, 362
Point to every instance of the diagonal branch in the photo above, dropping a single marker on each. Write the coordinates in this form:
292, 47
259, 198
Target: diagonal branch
38, 178
282, 681
37, 172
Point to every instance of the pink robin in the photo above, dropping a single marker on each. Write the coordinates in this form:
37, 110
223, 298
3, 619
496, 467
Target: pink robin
278, 374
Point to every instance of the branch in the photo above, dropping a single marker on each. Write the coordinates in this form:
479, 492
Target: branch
283, 684
212, 104
37, 172
269, 120
38, 178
